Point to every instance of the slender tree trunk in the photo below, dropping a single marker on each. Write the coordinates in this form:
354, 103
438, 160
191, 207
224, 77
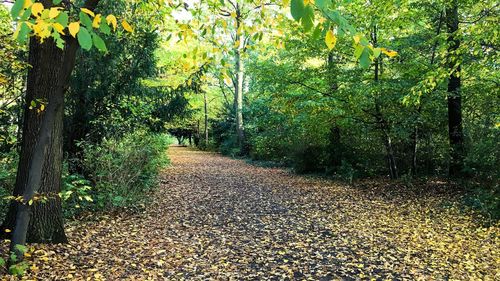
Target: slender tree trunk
455, 130
40, 164
336, 149
384, 126
238, 91
414, 162
206, 117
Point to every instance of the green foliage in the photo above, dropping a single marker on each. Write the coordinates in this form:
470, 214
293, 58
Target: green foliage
486, 200
76, 193
19, 269
123, 170
307, 158
8, 167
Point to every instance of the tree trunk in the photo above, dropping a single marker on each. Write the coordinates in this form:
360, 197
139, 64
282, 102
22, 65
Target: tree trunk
383, 125
238, 91
414, 164
336, 148
206, 118
40, 163
455, 130
415, 140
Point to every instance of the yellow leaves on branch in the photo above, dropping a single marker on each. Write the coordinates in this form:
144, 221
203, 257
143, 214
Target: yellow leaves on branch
33, 19
330, 40
41, 29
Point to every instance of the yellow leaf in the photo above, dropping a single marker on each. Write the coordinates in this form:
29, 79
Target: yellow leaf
36, 9
54, 12
330, 40
97, 21
8, 230
356, 38
59, 28
233, 15
88, 12
27, 4
307, 2
74, 27
41, 29
127, 26
389, 53
111, 20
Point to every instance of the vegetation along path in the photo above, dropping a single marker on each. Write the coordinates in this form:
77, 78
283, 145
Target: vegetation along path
215, 218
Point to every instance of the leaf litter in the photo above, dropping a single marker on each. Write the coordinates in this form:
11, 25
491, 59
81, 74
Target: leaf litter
216, 218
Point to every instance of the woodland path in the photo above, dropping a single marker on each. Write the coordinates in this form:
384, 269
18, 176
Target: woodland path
215, 218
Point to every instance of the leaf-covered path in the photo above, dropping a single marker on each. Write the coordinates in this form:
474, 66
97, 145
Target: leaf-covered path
215, 218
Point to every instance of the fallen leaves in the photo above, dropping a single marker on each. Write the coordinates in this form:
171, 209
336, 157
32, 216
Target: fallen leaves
216, 218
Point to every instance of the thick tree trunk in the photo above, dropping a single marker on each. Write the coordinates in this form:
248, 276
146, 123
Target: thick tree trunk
455, 130
40, 163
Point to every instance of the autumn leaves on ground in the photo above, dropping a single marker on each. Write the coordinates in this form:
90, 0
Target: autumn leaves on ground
215, 218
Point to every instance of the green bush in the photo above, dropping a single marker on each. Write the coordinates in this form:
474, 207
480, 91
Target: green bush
8, 168
124, 170
484, 198
308, 158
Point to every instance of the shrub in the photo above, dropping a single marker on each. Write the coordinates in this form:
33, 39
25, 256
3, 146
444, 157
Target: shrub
124, 170
308, 158
8, 168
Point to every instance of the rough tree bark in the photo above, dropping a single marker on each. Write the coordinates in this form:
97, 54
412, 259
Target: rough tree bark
455, 130
40, 163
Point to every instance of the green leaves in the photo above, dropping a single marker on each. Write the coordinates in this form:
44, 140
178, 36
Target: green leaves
63, 18
303, 13
22, 35
85, 19
17, 8
84, 38
322, 4
364, 59
297, 9
99, 43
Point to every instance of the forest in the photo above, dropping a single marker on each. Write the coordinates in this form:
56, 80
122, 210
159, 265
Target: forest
249, 140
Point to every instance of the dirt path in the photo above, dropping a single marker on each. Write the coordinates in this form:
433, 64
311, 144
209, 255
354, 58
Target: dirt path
214, 218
